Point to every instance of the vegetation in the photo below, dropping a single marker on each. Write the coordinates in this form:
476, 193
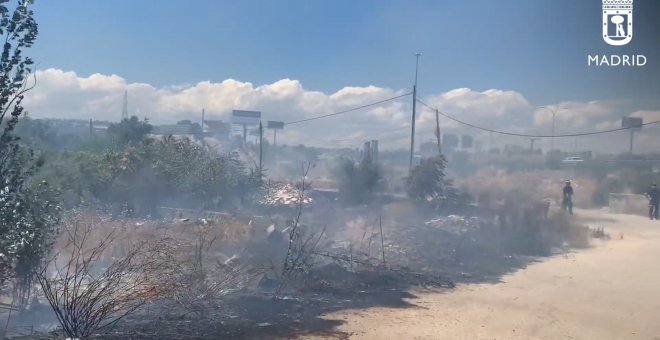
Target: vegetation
140, 177
357, 182
28, 208
129, 131
88, 290
428, 183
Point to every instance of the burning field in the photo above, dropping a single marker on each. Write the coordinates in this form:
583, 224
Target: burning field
208, 275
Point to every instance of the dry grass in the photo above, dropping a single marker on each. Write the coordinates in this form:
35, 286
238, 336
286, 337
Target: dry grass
104, 269
90, 287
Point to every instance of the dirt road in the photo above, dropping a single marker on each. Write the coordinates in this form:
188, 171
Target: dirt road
610, 291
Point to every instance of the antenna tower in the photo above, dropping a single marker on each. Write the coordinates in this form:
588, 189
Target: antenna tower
124, 111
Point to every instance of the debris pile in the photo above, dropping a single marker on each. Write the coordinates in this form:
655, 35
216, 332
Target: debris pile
456, 224
598, 231
284, 194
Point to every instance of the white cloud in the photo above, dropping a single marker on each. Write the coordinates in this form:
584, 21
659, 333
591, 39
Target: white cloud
64, 94
570, 115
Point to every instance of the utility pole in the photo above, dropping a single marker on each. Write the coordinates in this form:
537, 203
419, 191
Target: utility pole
202, 123
261, 149
124, 111
531, 147
552, 140
554, 114
632, 133
244, 133
91, 127
412, 132
437, 131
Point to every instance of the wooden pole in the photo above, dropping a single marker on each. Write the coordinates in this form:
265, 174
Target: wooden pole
382, 243
261, 139
437, 131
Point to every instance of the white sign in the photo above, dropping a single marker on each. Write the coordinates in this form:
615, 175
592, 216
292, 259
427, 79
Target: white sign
246, 117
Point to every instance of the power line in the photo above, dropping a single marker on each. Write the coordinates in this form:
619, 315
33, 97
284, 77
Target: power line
537, 136
349, 110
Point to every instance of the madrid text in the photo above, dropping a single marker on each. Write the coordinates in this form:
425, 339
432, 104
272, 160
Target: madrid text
616, 60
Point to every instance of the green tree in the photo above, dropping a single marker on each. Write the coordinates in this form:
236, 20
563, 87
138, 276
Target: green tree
357, 181
27, 214
427, 182
129, 131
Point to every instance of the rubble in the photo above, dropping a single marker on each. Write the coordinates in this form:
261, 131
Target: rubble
456, 224
284, 194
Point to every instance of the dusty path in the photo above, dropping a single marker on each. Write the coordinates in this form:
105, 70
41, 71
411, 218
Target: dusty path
610, 291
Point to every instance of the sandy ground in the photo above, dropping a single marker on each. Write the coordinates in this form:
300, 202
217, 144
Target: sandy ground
609, 291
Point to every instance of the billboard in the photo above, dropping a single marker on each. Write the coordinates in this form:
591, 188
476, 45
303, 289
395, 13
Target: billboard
466, 141
245, 117
275, 125
632, 122
450, 140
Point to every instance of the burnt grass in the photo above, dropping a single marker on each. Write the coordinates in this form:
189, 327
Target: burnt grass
264, 316
424, 259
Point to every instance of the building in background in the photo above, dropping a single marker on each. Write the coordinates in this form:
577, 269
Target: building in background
366, 153
450, 141
466, 141
374, 151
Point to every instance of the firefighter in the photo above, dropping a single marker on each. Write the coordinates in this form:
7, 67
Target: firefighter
654, 202
567, 202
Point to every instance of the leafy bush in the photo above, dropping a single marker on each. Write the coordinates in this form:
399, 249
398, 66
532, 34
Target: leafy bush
28, 213
170, 171
427, 182
129, 131
357, 181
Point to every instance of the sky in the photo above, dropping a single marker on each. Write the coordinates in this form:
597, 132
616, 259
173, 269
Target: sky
488, 62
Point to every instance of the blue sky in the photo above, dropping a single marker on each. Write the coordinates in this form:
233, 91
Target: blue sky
535, 47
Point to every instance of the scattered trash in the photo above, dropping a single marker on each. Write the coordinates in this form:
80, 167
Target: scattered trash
598, 231
456, 224
284, 194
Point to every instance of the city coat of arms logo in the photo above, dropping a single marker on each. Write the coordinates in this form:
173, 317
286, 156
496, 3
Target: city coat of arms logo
617, 21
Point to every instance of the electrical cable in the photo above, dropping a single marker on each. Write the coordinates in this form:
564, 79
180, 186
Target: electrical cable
349, 110
531, 135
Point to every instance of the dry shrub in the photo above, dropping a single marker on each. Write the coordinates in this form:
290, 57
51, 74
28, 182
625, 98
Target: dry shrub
302, 243
234, 230
91, 284
200, 290
205, 275
105, 269
223, 229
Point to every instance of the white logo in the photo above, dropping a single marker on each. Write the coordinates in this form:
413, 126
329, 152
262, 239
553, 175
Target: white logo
617, 21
